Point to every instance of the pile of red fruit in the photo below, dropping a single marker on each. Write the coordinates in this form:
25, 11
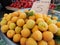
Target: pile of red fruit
52, 6
22, 4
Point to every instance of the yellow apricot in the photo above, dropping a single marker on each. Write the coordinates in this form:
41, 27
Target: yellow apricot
35, 28
31, 41
8, 17
38, 15
12, 26
58, 24
49, 21
47, 35
32, 17
26, 20
45, 17
4, 28
30, 24
17, 38
3, 22
20, 22
51, 42
8, 23
43, 26
22, 16
10, 33
18, 30
14, 19
25, 26
39, 20
54, 21
15, 14
37, 35
5, 14
53, 28
23, 41
55, 18
25, 32
42, 42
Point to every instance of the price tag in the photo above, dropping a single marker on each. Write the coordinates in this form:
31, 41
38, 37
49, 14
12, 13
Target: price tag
41, 6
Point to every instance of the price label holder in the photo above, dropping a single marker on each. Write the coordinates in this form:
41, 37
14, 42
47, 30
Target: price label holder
41, 6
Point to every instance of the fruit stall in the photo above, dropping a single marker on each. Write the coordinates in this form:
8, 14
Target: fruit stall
27, 27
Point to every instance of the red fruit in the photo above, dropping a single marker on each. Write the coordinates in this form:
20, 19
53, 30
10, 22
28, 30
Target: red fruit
29, 4
19, 6
52, 6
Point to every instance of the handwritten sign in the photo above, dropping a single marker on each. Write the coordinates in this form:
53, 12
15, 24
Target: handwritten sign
41, 6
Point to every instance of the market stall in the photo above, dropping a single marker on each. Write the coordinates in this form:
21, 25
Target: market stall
28, 26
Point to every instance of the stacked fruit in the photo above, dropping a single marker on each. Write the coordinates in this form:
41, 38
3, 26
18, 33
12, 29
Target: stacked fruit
30, 28
23, 4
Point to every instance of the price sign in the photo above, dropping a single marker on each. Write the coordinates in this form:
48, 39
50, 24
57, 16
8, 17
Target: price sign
41, 6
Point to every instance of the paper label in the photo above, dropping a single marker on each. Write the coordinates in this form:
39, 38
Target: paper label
41, 6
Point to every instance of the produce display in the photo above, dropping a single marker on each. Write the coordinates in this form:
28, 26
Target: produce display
22, 4
30, 28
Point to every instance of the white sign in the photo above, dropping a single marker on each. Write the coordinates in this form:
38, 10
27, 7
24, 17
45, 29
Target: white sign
41, 6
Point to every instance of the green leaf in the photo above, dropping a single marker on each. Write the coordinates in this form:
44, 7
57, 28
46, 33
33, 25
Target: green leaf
31, 13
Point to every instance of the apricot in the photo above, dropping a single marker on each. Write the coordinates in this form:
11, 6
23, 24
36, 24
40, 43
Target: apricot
25, 32
18, 30
43, 26
38, 15
39, 20
20, 22
49, 21
4, 28
15, 14
25, 26
31, 41
47, 35
51, 42
5, 14
30, 24
37, 35
42, 42
32, 17
17, 38
12, 26
26, 20
8, 17
35, 28
45, 17
22, 16
54, 21
23, 41
55, 18
8, 23
3, 22
53, 28
14, 19
10, 33
58, 24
